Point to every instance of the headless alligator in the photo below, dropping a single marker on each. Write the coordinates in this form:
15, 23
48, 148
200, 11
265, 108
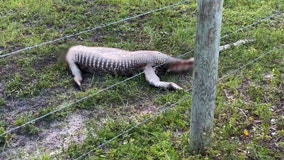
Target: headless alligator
122, 62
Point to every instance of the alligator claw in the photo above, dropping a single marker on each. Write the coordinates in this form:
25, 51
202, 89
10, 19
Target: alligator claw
175, 86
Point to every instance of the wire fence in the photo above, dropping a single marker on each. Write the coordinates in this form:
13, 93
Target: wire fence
61, 107
93, 29
165, 109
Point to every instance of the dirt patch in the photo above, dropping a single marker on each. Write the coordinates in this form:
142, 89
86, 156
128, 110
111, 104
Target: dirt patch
18, 107
53, 140
57, 137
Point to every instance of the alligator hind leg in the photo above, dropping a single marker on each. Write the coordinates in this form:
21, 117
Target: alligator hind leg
154, 80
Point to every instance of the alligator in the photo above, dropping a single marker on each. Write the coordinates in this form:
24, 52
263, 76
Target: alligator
122, 62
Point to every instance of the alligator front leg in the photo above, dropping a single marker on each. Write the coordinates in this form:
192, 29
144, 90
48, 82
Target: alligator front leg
76, 73
154, 80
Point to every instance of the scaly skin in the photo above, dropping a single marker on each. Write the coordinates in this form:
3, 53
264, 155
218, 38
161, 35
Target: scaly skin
122, 62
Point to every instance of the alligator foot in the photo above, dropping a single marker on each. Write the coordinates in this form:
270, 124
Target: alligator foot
155, 81
175, 86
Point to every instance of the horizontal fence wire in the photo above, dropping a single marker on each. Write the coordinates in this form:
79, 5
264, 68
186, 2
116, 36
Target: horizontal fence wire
93, 29
109, 87
165, 109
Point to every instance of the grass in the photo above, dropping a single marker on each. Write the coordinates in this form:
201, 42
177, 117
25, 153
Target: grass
249, 121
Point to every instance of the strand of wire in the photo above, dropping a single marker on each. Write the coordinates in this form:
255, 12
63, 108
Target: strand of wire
93, 29
75, 102
174, 104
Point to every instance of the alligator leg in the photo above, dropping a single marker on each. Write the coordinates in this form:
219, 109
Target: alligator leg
76, 73
154, 80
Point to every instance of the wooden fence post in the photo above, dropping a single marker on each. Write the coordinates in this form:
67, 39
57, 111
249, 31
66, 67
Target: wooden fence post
205, 73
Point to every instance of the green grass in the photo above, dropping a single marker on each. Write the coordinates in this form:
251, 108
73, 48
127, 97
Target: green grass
2, 102
37, 82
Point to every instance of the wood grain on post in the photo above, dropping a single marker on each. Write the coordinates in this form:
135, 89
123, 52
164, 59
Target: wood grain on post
205, 74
